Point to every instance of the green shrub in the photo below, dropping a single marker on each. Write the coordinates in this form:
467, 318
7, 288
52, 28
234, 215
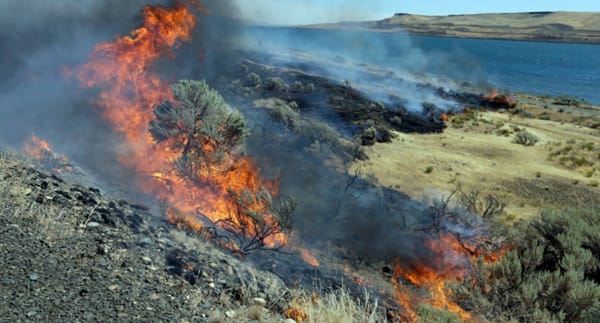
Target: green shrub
552, 273
569, 100
525, 138
275, 84
252, 80
311, 129
208, 135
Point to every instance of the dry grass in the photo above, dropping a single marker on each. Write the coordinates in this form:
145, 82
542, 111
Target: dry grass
337, 306
578, 20
17, 200
476, 154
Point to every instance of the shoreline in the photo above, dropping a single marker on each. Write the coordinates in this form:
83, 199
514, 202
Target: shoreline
434, 34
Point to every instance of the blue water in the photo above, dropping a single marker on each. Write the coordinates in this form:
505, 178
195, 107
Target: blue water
518, 66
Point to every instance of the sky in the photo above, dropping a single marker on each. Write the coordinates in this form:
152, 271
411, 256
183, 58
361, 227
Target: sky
292, 12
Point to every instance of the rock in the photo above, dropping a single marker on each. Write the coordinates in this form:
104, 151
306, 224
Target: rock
146, 241
113, 287
34, 277
230, 314
139, 206
31, 313
259, 301
93, 224
146, 260
213, 265
212, 285
289, 321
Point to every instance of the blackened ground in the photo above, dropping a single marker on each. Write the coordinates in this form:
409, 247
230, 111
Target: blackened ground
72, 253
321, 95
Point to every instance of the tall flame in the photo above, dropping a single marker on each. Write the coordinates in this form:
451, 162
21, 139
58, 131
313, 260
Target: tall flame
123, 69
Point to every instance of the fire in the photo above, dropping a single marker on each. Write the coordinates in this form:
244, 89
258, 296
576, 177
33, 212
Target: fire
41, 151
497, 100
452, 260
123, 69
492, 95
309, 258
354, 276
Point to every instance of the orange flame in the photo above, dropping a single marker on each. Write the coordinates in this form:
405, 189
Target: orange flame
492, 95
41, 151
131, 91
309, 258
37, 148
499, 100
452, 260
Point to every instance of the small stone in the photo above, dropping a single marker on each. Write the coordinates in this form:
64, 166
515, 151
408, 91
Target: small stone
154, 296
93, 224
31, 313
146, 241
213, 265
259, 301
34, 277
230, 314
113, 287
146, 260
212, 285
289, 321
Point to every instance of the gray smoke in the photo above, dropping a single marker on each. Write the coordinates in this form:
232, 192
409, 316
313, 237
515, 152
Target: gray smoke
39, 39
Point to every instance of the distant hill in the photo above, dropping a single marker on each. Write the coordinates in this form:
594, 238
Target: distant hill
579, 27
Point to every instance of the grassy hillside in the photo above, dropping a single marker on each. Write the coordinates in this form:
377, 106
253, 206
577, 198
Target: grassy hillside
537, 26
478, 151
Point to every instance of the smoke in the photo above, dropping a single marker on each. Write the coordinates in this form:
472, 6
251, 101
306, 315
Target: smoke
383, 66
290, 12
39, 40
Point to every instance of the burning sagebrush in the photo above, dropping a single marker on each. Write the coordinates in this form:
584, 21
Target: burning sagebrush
186, 151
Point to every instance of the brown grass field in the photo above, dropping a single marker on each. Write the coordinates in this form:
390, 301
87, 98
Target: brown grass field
476, 150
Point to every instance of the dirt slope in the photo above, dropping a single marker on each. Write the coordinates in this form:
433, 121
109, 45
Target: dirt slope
70, 253
581, 27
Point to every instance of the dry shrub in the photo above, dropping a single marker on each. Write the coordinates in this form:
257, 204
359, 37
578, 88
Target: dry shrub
525, 138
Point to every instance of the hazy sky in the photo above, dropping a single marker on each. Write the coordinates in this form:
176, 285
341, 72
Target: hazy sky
311, 11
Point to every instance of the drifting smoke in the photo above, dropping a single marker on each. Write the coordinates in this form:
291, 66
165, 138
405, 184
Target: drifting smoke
381, 65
